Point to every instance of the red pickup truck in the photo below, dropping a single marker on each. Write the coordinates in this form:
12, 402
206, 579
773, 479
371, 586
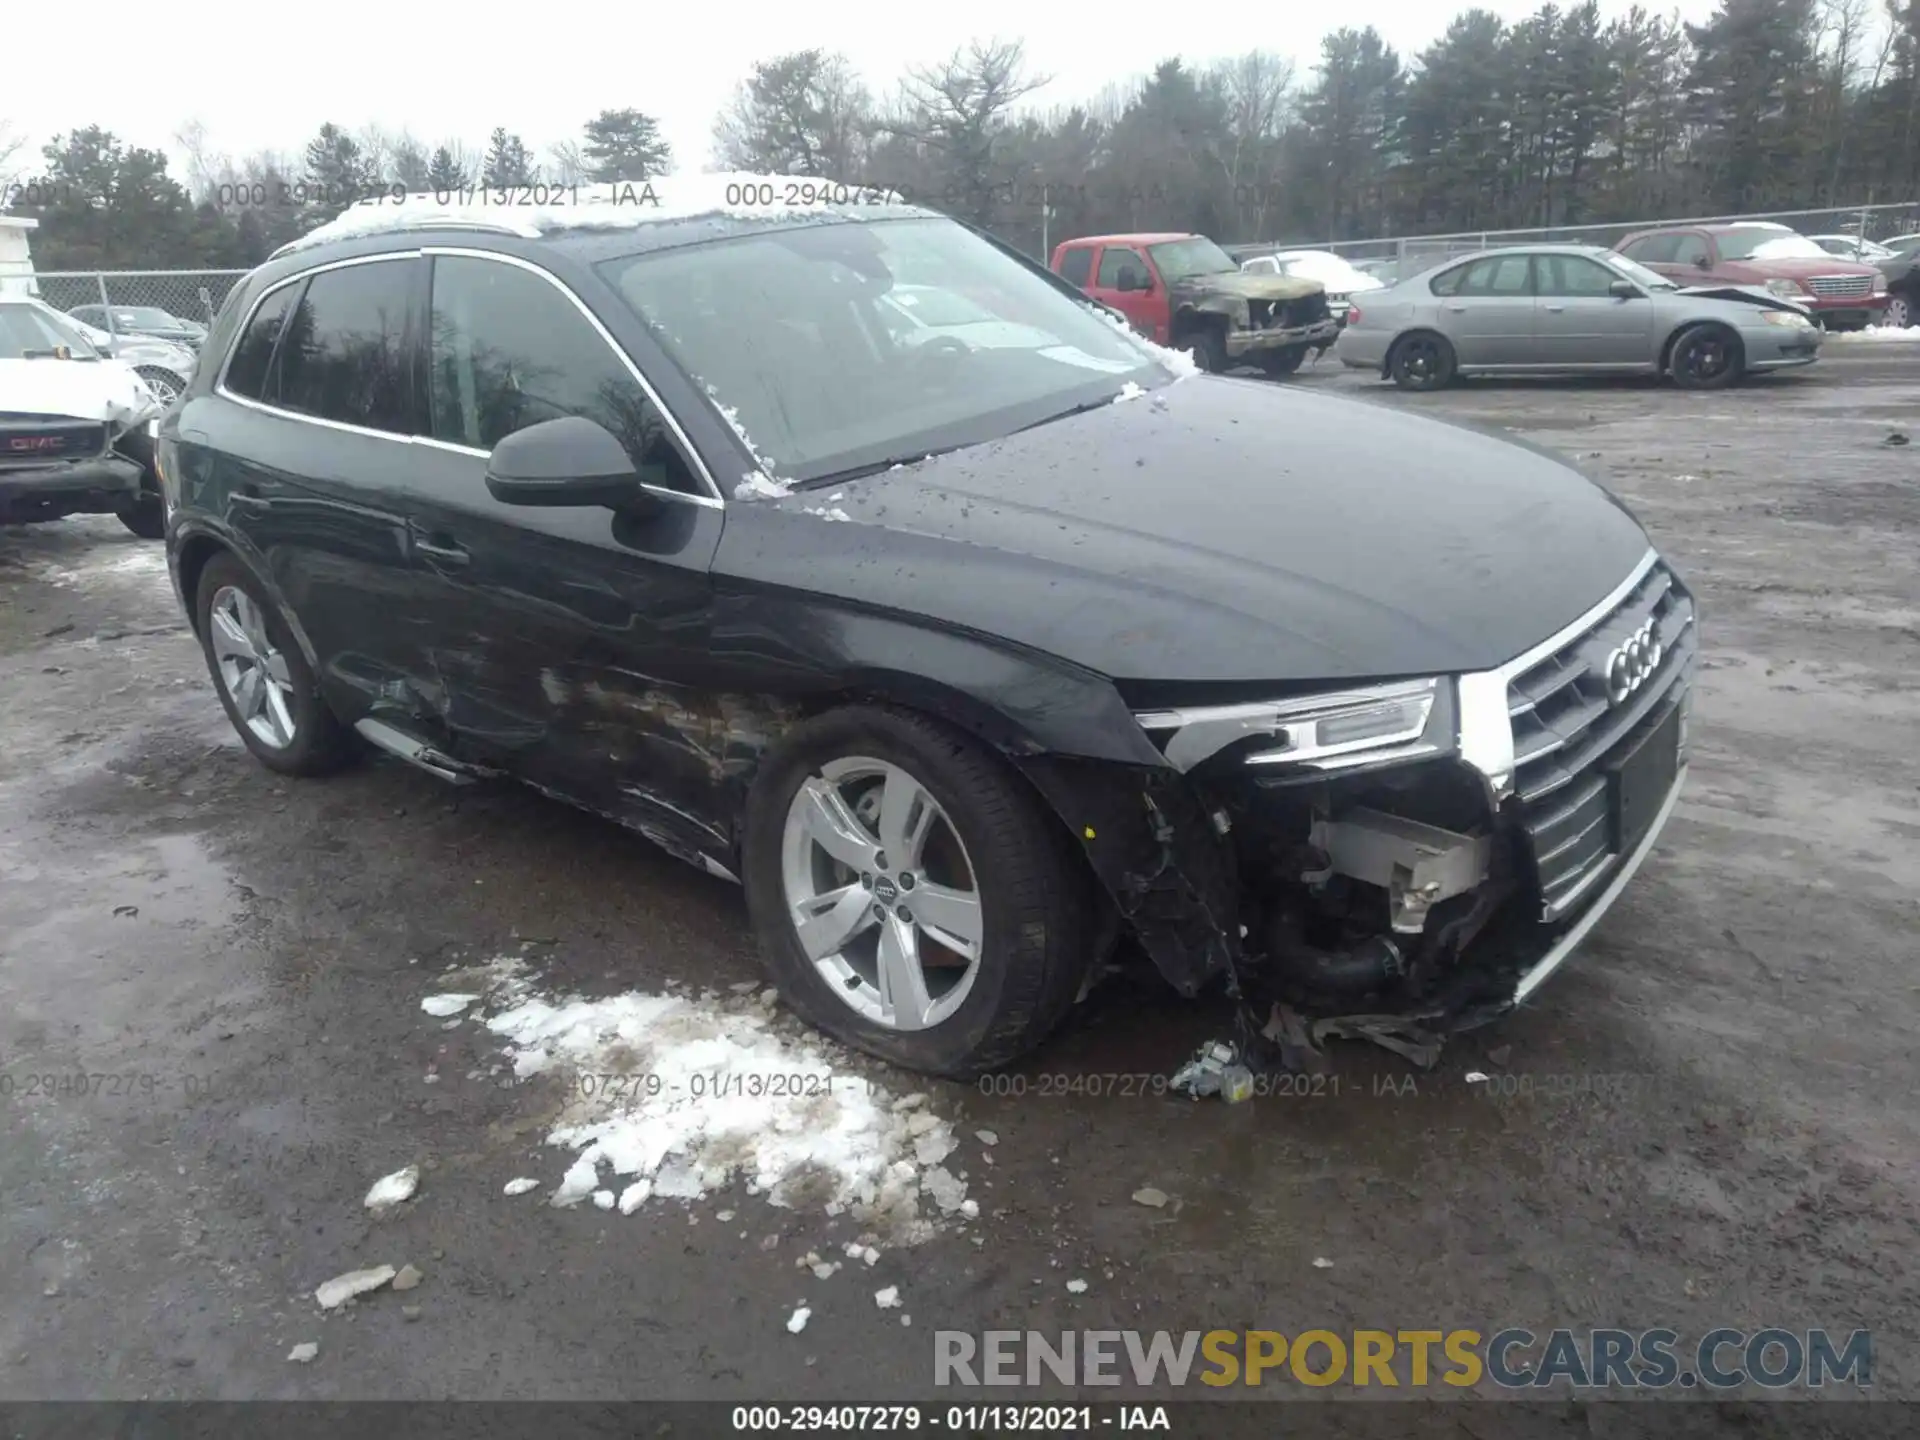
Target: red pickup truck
1186, 292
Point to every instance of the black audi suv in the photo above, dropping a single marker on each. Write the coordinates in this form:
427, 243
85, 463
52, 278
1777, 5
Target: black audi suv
968, 649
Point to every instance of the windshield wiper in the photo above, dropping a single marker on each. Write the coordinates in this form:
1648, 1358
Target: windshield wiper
1082, 408
874, 467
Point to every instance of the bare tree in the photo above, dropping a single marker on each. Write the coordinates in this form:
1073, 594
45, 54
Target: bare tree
567, 165
204, 165
11, 142
955, 110
1259, 94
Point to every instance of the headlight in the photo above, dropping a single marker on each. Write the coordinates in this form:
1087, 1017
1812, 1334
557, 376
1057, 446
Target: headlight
1791, 318
1332, 730
1879, 284
1786, 289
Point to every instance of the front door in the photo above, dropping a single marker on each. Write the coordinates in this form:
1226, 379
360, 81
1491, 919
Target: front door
1144, 308
1580, 322
1489, 314
568, 642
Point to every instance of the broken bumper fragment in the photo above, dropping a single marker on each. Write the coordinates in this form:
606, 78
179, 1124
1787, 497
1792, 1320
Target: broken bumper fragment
1318, 333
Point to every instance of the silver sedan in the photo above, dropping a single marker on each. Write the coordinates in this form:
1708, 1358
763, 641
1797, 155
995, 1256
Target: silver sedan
1546, 309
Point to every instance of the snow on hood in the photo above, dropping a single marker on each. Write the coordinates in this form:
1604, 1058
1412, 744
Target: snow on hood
605, 206
85, 389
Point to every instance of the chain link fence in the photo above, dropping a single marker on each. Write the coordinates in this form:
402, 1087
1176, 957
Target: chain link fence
105, 299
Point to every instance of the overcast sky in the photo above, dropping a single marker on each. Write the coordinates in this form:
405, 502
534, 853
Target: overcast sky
266, 77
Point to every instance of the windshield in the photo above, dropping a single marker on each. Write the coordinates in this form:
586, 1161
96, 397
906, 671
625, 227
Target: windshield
1646, 279
788, 332
938, 308
1766, 245
1183, 259
28, 330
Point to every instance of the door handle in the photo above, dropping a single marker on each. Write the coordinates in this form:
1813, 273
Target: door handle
1457, 309
248, 497
1555, 309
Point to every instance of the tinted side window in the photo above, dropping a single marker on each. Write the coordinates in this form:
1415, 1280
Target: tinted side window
1653, 250
510, 350
344, 353
1502, 275
1691, 250
247, 371
1076, 265
1113, 262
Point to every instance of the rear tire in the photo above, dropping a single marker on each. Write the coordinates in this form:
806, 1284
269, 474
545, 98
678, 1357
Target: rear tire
1705, 357
1011, 892
279, 714
1422, 361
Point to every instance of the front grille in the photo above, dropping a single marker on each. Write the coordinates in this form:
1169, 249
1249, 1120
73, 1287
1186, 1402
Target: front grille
36, 440
1566, 732
1841, 287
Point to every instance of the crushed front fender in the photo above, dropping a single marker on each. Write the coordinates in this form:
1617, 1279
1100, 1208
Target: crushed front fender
1158, 855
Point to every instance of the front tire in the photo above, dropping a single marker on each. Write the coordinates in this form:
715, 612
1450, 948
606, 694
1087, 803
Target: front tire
911, 895
1899, 314
1209, 349
1281, 363
1706, 357
1423, 361
264, 685
166, 385
145, 516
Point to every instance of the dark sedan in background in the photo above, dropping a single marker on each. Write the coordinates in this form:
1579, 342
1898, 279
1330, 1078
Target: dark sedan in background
143, 320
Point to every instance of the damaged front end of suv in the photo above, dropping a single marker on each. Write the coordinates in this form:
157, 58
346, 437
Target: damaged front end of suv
1406, 860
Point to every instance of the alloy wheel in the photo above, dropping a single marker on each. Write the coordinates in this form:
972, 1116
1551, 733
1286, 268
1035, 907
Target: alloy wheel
882, 893
165, 388
1899, 313
1706, 357
252, 670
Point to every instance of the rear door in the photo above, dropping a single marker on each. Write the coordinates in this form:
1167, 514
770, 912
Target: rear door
1580, 322
566, 642
1144, 309
310, 464
1489, 314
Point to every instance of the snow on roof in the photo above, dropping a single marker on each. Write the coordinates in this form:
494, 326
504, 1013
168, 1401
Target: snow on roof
616, 205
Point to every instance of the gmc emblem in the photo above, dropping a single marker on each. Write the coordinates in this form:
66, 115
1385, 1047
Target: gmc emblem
35, 442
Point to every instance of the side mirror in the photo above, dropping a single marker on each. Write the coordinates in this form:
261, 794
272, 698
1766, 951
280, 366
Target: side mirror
1703, 262
1623, 290
569, 461
1131, 280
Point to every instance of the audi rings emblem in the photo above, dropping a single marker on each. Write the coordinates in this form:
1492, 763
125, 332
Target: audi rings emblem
1631, 663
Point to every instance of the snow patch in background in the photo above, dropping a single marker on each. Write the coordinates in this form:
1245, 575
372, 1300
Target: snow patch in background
143, 561
602, 206
1896, 334
674, 1096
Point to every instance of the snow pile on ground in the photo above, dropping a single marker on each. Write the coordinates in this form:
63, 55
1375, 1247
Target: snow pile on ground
1905, 334
674, 1096
138, 561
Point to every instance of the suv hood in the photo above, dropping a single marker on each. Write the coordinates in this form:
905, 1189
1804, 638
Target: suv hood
1242, 286
1215, 530
1799, 267
83, 389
